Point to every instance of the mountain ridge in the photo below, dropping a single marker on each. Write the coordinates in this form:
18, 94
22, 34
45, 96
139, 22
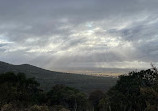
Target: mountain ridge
48, 78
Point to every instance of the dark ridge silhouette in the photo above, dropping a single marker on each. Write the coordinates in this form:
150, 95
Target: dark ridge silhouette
48, 79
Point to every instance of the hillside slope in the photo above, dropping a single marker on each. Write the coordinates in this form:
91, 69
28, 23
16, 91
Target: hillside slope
48, 78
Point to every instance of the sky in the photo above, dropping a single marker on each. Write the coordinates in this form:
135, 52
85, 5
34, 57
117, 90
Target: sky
56, 34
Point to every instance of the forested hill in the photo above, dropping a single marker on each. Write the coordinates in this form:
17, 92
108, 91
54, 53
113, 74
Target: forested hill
48, 78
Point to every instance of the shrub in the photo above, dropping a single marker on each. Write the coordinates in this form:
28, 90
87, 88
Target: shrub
7, 107
39, 108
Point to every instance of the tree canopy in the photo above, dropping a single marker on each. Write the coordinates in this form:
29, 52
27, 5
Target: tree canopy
136, 91
18, 89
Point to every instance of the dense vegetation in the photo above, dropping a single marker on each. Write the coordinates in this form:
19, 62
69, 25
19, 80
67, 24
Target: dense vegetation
20, 92
136, 91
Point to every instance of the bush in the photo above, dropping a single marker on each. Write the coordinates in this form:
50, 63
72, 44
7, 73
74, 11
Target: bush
63, 109
39, 108
7, 107
58, 108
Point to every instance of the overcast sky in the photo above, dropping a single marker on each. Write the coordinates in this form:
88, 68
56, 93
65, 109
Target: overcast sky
79, 33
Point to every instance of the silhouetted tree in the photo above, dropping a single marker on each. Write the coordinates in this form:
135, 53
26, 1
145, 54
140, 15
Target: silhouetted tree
137, 91
94, 98
18, 89
66, 96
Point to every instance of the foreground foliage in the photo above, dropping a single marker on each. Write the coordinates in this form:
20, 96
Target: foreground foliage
18, 89
66, 96
136, 91
19, 92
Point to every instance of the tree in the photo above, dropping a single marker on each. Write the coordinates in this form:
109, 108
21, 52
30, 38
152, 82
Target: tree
95, 97
18, 89
68, 97
137, 91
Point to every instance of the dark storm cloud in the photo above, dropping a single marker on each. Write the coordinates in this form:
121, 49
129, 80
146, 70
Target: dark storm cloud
78, 32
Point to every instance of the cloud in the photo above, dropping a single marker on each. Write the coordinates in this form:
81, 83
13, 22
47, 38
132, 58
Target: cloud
71, 33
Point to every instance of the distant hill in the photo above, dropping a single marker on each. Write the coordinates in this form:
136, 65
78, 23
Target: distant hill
48, 78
